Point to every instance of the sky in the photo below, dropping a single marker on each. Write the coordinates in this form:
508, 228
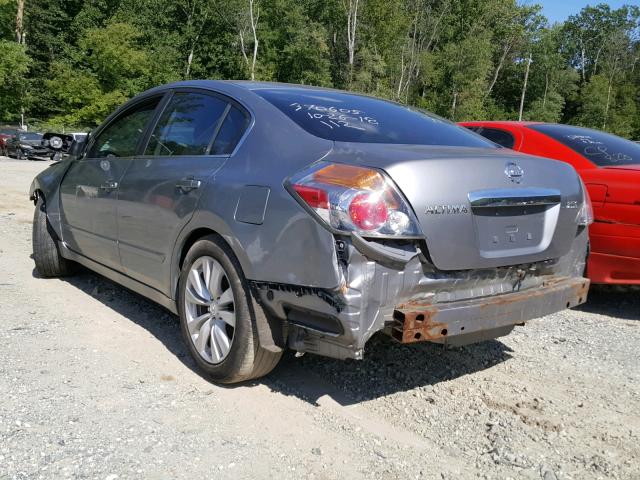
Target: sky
560, 10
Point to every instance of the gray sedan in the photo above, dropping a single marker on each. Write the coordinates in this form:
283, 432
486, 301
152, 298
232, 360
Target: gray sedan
272, 216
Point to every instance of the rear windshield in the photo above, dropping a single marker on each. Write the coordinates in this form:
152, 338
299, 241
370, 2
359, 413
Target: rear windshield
345, 117
602, 149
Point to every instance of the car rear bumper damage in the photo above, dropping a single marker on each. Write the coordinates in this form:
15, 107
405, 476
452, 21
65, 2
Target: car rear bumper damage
488, 317
402, 294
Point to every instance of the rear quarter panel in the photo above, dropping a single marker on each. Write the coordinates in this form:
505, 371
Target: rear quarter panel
289, 246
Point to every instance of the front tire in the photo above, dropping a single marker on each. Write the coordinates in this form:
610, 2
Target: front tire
46, 253
217, 315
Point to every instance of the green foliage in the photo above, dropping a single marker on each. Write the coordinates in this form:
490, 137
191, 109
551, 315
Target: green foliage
7, 19
14, 65
607, 106
79, 97
114, 56
463, 59
294, 46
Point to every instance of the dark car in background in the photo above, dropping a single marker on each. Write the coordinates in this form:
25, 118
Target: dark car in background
26, 145
271, 216
610, 167
60, 144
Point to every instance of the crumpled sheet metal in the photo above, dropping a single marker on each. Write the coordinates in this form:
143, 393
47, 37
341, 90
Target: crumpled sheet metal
370, 293
374, 291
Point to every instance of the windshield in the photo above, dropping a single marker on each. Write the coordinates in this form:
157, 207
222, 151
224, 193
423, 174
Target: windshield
345, 117
602, 149
30, 136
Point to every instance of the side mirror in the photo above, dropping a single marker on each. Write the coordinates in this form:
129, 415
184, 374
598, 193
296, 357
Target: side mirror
77, 148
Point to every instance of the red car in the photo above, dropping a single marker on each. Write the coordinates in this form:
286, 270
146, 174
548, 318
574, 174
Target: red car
610, 167
5, 134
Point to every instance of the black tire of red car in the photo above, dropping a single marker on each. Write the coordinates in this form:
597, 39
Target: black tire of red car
46, 251
246, 359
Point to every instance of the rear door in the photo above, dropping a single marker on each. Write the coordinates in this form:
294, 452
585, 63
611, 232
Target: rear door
89, 190
191, 140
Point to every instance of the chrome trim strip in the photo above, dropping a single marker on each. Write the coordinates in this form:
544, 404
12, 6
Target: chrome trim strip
521, 197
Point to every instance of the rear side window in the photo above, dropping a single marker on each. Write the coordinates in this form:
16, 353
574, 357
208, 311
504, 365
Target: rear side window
602, 149
232, 129
501, 137
121, 137
187, 125
346, 117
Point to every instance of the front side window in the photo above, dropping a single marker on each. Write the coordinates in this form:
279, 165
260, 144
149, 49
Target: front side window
602, 149
121, 137
187, 125
345, 117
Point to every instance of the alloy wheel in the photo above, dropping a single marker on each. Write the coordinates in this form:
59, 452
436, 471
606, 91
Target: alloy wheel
210, 309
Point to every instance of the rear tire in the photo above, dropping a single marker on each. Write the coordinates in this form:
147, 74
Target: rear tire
46, 253
219, 326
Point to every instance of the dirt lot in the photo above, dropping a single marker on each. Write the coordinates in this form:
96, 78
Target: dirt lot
95, 383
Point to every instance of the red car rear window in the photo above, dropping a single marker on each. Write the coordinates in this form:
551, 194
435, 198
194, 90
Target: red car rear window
602, 149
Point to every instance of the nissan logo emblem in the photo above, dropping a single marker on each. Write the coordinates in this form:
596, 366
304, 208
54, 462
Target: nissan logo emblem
514, 172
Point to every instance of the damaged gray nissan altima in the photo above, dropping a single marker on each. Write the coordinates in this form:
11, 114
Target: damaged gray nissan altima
271, 216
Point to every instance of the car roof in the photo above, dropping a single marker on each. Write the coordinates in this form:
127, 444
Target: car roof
250, 86
240, 87
503, 123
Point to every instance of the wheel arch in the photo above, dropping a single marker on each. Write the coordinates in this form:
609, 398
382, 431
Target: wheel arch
268, 329
47, 186
189, 238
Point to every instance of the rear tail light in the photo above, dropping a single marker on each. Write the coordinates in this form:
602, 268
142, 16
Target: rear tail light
585, 215
355, 199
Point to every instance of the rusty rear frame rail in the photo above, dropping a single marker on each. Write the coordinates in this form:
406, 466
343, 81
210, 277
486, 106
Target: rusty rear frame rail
417, 321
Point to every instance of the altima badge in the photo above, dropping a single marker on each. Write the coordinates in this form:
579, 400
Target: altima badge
446, 210
514, 172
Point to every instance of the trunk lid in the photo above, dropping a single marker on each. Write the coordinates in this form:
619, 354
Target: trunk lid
480, 208
634, 167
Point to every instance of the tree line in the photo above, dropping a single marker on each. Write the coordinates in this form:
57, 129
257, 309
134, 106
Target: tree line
69, 63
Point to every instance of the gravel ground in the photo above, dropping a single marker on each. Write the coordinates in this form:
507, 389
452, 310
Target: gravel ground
95, 383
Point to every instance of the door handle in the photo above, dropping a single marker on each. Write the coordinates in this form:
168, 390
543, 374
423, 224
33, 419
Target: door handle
108, 186
188, 184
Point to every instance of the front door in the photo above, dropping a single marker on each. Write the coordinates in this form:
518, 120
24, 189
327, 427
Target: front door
160, 191
89, 190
